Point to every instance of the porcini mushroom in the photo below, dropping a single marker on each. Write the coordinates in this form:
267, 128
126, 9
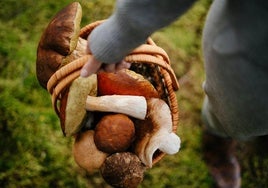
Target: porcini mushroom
155, 133
60, 42
59, 45
125, 82
134, 106
85, 152
123, 170
114, 133
74, 109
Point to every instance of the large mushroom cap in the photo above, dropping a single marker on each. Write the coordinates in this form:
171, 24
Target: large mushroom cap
58, 40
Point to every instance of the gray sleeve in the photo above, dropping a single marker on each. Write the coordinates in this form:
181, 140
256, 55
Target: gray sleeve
132, 22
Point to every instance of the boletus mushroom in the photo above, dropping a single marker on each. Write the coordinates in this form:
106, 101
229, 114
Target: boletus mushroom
114, 133
73, 105
123, 170
155, 132
60, 43
125, 82
85, 152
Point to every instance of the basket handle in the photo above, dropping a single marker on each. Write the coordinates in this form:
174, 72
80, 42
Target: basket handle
153, 55
63, 77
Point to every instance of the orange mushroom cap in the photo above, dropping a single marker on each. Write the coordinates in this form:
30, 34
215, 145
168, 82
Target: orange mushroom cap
125, 82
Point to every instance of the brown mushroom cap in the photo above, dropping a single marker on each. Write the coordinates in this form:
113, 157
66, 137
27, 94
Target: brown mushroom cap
114, 133
58, 41
85, 152
123, 170
125, 82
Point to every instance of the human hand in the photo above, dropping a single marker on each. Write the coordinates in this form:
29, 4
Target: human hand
94, 66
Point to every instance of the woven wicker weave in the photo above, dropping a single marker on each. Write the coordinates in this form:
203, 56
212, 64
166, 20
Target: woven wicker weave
148, 60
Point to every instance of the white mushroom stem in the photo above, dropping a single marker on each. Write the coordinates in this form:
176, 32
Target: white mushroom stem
162, 137
134, 106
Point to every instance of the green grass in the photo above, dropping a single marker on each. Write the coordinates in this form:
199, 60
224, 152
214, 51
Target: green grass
33, 152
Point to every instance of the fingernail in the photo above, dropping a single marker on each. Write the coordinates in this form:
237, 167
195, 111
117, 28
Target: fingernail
84, 73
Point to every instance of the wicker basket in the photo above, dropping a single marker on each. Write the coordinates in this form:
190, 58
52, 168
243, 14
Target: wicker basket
148, 60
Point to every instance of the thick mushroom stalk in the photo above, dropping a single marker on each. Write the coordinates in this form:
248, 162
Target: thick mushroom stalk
156, 132
134, 106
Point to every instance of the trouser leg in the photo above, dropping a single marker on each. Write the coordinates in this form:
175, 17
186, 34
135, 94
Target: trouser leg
219, 156
219, 152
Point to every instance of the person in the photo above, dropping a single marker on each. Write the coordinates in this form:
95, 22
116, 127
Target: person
235, 44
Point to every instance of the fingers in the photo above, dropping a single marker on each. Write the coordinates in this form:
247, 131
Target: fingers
94, 66
91, 67
109, 67
122, 65
116, 66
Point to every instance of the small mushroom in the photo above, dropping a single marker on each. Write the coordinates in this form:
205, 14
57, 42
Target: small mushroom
123, 170
125, 82
155, 132
60, 43
114, 133
134, 106
85, 152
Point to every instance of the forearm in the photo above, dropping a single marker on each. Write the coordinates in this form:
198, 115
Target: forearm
131, 24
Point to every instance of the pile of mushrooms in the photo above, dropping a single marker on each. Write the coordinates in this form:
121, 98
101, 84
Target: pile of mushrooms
117, 119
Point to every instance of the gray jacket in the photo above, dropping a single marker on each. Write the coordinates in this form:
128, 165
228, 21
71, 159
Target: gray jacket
131, 24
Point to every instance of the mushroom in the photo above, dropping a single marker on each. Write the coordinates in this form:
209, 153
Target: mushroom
60, 43
114, 133
155, 132
123, 170
73, 110
125, 82
85, 152
134, 106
